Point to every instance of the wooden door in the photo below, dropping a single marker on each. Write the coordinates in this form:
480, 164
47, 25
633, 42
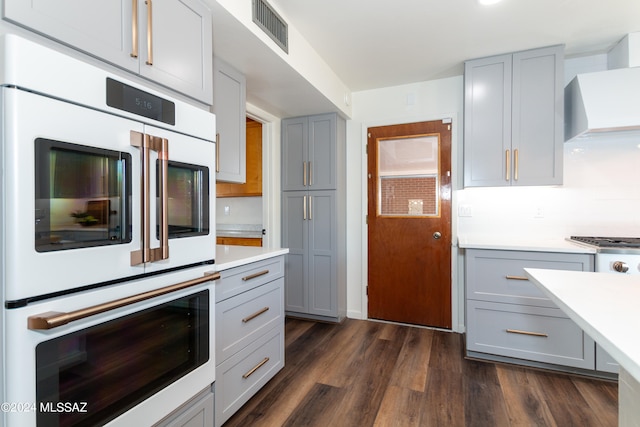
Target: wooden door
409, 223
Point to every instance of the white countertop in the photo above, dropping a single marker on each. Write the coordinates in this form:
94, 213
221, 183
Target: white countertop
604, 305
523, 244
229, 256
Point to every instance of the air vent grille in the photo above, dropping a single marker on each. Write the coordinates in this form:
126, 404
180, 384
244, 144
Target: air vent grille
271, 23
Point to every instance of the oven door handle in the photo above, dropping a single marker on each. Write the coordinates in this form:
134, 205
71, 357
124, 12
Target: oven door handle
54, 319
146, 143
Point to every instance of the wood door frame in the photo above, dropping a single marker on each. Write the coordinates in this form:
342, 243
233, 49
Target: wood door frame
457, 291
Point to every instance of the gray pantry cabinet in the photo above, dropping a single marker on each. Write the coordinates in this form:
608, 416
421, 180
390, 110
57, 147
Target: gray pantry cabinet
249, 335
121, 31
313, 216
509, 319
513, 119
229, 106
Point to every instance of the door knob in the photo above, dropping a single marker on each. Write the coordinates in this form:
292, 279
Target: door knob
437, 235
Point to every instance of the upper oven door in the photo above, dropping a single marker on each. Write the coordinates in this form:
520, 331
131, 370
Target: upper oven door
70, 199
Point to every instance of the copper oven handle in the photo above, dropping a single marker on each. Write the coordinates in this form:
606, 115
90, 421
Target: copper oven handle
141, 141
52, 319
255, 368
161, 145
134, 28
149, 33
253, 276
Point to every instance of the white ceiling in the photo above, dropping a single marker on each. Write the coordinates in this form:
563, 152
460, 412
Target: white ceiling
379, 43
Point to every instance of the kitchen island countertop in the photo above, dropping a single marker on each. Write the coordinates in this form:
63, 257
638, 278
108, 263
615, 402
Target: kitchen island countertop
604, 305
229, 256
523, 244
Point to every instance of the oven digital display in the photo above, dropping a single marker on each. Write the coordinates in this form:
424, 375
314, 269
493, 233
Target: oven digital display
136, 101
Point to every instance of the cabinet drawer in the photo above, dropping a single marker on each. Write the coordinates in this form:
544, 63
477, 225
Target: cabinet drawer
512, 331
241, 279
241, 319
242, 375
499, 275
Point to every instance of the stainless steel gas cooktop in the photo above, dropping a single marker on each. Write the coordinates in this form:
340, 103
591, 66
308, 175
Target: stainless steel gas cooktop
610, 242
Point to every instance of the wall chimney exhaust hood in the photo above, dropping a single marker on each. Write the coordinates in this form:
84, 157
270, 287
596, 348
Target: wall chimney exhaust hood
606, 101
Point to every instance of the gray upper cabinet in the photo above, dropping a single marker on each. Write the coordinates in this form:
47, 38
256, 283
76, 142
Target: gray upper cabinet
309, 153
513, 119
229, 106
168, 42
314, 216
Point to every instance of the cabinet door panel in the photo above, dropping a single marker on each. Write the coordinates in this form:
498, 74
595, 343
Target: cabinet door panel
322, 253
537, 116
101, 28
229, 106
294, 153
487, 121
295, 237
322, 152
182, 47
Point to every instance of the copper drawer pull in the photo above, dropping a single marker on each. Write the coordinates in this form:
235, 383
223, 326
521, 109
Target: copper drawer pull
535, 334
253, 276
255, 368
254, 315
516, 277
52, 319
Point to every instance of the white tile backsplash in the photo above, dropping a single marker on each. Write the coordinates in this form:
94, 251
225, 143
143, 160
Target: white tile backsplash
600, 196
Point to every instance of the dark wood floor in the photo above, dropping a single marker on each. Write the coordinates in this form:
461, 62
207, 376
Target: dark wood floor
364, 373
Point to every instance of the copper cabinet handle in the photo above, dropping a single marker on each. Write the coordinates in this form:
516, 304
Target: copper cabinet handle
254, 315
310, 207
310, 175
217, 152
149, 32
255, 368
516, 277
253, 276
134, 28
535, 334
508, 165
515, 164
304, 207
304, 174
52, 319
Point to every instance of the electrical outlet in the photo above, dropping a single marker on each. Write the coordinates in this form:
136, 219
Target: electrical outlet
227, 210
465, 210
538, 212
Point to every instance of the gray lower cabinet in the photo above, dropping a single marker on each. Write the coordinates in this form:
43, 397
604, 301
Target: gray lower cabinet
229, 106
314, 216
509, 318
249, 332
197, 412
513, 119
170, 42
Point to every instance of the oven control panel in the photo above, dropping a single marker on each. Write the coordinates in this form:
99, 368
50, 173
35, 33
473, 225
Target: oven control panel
618, 263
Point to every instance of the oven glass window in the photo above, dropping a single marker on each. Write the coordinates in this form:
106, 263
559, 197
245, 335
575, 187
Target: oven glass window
188, 204
110, 368
81, 197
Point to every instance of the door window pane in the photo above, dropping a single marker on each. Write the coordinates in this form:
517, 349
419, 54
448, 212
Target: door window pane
408, 171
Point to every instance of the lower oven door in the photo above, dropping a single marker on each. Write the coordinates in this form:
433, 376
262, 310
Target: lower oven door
131, 365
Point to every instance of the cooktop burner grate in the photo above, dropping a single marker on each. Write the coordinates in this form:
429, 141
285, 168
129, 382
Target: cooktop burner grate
609, 242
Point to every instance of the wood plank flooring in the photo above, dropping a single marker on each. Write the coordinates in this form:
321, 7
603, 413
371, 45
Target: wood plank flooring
364, 373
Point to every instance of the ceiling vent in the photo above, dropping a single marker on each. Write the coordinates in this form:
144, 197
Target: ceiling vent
271, 23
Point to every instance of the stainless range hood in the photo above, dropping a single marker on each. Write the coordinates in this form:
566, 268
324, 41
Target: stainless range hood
606, 101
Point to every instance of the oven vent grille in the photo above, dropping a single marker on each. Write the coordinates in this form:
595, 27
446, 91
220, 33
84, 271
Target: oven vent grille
271, 23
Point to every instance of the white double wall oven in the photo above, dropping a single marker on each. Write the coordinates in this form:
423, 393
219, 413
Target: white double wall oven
108, 244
